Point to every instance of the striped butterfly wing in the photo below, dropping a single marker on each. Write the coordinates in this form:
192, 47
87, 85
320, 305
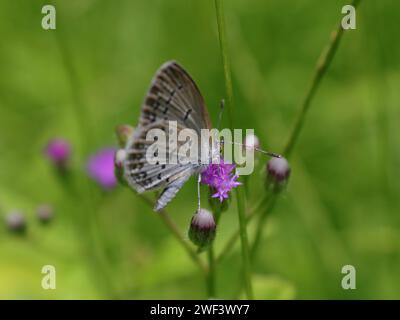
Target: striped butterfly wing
173, 96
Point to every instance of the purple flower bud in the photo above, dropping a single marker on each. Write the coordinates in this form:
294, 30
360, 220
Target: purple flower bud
59, 152
220, 178
45, 213
251, 141
123, 133
202, 228
119, 158
100, 167
278, 172
16, 222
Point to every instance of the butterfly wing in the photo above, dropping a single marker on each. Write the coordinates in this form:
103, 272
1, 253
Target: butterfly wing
173, 96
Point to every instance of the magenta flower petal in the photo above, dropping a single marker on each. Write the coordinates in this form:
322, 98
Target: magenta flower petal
220, 178
58, 151
100, 167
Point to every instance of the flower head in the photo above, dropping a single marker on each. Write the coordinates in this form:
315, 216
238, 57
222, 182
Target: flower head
16, 222
58, 151
202, 228
220, 178
101, 168
45, 213
123, 133
251, 141
278, 172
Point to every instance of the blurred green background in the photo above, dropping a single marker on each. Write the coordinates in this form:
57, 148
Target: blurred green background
91, 73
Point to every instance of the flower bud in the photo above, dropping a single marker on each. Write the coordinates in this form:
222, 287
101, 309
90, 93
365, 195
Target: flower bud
119, 158
16, 222
202, 228
58, 151
45, 213
251, 141
278, 172
123, 133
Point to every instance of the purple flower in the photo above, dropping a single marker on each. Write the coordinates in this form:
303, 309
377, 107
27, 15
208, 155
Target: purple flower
101, 168
220, 178
58, 151
202, 228
278, 172
278, 169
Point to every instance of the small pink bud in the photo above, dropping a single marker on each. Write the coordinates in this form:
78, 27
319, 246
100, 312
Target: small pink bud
45, 213
251, 141
278, 172
123, 133
202, 228
16, 222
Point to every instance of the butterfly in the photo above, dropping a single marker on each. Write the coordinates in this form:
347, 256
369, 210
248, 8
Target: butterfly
173, 96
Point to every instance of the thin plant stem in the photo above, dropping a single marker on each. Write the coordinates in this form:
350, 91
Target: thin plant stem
323, 63
235, 236
239, 192
321, 68
170, 224
260, 227
211, 276
83, 189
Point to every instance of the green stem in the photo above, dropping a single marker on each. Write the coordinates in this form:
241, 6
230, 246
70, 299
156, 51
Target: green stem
170, 224
260, 227
225, 59
211, 276
83, 190
323, 63
239, 192
245, 244
235, 236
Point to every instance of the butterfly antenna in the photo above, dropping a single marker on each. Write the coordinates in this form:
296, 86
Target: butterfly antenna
221, 109
271, 154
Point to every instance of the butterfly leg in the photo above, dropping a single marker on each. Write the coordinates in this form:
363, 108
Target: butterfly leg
198, 191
